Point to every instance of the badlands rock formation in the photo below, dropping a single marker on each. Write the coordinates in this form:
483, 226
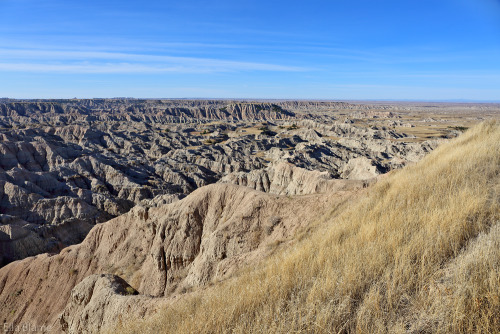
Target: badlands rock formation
285, 179
67, 165
102, 300
158, 251
112, 208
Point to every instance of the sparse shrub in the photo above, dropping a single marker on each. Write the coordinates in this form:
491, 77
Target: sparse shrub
209, 142
17, 293
459, 128
272, 222
131, 291
100, 188
266, 131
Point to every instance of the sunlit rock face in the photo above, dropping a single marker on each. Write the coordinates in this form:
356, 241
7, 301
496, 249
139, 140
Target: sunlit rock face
67, 165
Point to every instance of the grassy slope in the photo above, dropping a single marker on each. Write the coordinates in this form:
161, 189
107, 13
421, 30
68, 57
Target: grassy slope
421, 253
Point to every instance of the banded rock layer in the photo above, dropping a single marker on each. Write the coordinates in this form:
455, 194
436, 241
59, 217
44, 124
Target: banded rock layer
160, 251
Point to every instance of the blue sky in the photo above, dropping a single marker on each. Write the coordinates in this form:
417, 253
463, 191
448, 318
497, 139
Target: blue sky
359, 49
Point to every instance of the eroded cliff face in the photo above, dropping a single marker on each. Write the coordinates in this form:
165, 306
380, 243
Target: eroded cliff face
146, 110
103, 300
286, 179
187, 192
70, 164
159, 251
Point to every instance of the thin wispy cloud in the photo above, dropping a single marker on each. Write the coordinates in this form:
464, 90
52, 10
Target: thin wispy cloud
186, 53
35, 60
91, 68
29, 60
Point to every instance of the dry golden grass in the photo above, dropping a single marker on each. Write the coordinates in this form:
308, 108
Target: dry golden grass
420, 253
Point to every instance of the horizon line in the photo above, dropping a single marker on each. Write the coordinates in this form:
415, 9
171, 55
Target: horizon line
459, 101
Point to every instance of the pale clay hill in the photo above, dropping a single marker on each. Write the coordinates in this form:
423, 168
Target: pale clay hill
418, 252
159, 251
67, 166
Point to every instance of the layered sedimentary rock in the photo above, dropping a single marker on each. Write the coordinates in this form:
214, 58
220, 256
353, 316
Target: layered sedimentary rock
159, 251
286, 179
187, 192
66, 165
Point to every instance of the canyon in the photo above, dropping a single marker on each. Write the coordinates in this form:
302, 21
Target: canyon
135, 203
